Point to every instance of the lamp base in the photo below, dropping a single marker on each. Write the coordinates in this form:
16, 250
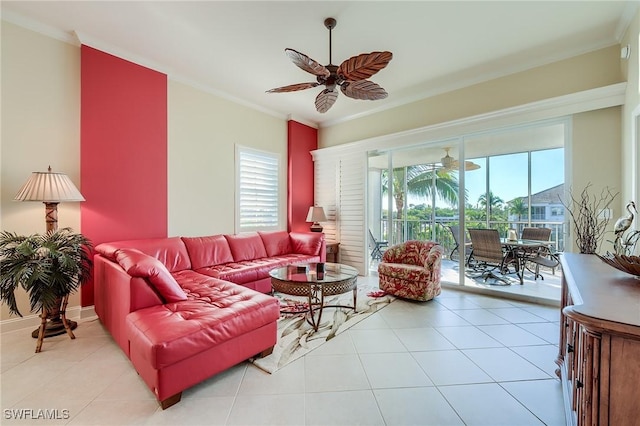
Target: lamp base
316, 227
54, 327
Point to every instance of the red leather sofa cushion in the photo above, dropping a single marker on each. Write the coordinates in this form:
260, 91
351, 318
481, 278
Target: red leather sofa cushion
276, 243
138, 264
170, 251
306, 243
208, 251
166, 334
247, 246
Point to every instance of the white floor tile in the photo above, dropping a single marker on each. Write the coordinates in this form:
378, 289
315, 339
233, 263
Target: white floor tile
487, 404
435, 362
450, 368
267, 410
542, 397
376, 341
468, 337
502, 364
415, 406
516, 315
334, 373
480, 317
342, 408
393, 370
423, 339
511, 335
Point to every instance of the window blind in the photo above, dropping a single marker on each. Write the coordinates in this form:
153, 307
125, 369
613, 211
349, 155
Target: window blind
257, 190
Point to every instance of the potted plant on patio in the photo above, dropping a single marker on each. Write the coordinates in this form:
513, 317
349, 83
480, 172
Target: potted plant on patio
49, 267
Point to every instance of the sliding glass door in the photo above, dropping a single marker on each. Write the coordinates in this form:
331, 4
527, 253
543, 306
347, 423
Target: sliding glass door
504, 179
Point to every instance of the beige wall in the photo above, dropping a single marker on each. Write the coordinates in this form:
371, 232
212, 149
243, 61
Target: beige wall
631, 143
203, 131
595, 69
40, 127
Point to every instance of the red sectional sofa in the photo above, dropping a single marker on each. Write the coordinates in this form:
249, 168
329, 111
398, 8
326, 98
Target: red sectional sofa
185, 308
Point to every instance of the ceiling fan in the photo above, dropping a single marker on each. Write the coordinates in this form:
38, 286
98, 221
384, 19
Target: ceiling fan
351, 75
450, 163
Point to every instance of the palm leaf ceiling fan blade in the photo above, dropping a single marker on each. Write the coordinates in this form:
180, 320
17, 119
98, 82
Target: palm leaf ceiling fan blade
294, 87
363, 89
364, 65
306, 63
351, 75
325, 100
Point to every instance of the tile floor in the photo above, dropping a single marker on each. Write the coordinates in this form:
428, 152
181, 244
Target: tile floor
460, 359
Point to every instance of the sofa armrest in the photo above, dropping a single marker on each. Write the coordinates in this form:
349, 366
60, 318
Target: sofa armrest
309, 243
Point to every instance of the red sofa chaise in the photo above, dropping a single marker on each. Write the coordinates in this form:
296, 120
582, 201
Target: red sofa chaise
186, 308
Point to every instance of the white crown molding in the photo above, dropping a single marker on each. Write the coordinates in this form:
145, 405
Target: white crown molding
574, 103
301, 120
39, 27
627, 17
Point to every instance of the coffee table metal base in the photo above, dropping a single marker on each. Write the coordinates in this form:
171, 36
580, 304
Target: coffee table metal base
315, 292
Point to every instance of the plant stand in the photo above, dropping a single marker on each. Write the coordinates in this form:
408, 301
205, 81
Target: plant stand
58, 323
54, 325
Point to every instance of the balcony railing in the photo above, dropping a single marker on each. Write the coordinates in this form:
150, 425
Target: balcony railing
423, 230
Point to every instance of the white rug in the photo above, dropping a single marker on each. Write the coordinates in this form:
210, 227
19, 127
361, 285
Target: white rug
296, 336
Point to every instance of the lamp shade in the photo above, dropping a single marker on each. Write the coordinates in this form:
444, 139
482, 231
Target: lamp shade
49, 187
316, 214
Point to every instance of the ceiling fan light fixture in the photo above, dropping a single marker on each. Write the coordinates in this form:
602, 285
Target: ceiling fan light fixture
351, 75
450, 163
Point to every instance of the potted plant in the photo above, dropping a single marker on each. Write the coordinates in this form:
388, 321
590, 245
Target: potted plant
48, 267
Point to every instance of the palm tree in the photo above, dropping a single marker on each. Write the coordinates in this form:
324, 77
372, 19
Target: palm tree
518, 207
419, 181
491, 201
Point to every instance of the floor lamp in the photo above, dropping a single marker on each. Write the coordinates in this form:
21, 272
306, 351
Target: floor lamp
51, 189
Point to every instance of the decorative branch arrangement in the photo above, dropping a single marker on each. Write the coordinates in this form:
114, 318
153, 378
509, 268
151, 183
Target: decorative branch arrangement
584, 211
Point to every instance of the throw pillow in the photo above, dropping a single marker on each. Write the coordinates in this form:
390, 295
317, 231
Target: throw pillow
138, 264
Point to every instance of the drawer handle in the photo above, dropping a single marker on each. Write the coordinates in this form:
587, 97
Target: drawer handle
569, 347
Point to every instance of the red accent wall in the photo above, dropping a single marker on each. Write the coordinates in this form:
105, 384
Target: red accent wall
123, 151
301, 140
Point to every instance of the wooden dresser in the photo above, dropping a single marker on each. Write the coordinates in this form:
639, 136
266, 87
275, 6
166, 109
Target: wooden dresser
599, 350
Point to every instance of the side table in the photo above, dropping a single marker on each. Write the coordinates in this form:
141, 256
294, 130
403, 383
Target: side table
333, 250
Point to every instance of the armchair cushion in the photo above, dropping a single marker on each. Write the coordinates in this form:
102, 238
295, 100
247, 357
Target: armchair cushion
247, 246
208, 251
276, 243
412, 270
138, 264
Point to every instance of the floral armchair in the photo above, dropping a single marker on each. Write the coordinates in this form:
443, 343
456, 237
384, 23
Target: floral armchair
412, 270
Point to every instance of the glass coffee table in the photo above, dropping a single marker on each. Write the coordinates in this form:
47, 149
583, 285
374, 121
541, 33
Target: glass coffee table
315, 281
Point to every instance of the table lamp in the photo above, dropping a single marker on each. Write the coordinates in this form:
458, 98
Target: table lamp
316, 215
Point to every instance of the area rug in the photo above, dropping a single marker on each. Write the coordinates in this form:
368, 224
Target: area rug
296, 336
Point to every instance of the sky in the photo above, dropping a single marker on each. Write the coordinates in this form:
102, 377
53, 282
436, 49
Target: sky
508, 176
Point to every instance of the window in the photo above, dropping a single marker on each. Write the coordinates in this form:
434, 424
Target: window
257, 195
538, 213
557, 211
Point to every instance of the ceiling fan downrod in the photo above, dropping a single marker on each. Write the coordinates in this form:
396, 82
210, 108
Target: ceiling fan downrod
330, 23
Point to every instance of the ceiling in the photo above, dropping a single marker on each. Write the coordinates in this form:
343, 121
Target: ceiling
235, 49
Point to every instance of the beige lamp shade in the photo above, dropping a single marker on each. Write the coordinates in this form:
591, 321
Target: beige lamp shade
316, 215
49, 187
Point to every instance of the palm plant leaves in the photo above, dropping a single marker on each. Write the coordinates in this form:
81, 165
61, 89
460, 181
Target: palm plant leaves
46, 266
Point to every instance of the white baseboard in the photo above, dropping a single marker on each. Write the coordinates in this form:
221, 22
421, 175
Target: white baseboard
76, 313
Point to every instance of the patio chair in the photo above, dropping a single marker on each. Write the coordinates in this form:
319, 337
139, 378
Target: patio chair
543, 256
455, 231
377, 247
488, 255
